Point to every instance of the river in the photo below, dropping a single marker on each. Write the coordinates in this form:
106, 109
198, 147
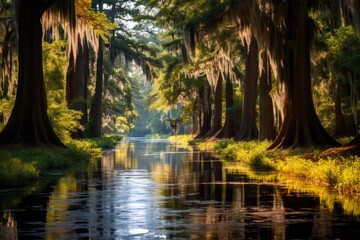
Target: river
156, 189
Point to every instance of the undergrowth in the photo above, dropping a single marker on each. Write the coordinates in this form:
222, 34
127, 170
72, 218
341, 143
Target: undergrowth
340, 172
23, 166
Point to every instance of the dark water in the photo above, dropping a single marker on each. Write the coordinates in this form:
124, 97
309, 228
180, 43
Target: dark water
154, 189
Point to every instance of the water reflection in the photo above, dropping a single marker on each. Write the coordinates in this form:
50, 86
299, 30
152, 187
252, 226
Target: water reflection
157, 189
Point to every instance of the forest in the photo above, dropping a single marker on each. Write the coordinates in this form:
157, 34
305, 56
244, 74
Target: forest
250, 70
186, 119
280, 71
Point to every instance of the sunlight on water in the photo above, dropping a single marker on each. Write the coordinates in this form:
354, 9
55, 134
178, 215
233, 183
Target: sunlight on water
154, 189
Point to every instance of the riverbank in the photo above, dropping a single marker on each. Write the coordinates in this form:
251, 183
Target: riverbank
337, 171
22, 167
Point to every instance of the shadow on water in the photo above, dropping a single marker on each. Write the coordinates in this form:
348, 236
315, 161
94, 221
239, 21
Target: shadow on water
155, 189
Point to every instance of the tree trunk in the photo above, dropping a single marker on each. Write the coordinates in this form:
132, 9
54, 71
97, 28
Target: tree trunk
95, 122
266, 118
248, 129
195, 119
29, 122
217, 117
228, 130
301, 126
76, 83
206, 109
340, 125
77, 78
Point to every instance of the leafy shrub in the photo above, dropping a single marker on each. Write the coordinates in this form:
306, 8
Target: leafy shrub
13, 172
20, 167
107, 141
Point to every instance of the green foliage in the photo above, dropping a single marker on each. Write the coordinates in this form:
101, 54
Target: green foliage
339, 172
106, 141
64, 120
13, 172
21, 167
6, 105
344, 49
252, 153
118, 103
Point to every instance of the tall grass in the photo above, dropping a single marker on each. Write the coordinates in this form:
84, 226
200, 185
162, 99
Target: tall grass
340, 172
21, 167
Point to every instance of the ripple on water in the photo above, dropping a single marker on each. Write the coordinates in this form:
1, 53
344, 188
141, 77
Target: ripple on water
151, 189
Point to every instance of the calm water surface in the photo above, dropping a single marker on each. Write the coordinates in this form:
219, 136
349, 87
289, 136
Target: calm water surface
154, 189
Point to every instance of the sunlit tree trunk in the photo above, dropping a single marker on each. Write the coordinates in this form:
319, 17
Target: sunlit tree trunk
266, 117
301, 126
217, 116
29, 122
248, 129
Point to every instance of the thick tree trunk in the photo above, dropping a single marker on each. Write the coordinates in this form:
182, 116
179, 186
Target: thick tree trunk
266, 118
248, 129
77, 79
29, 122
95, 122
206, 109
76, 83
340, 125
217, 117
228, 130
301, 126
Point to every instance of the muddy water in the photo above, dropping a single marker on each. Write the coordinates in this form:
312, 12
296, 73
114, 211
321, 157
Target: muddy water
154, 189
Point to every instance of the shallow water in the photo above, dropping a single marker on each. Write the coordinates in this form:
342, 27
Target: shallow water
154, 189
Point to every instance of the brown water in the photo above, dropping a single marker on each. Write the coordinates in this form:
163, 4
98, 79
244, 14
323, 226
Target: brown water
154, 189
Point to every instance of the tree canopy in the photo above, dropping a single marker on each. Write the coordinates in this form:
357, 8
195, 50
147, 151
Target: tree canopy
260, 66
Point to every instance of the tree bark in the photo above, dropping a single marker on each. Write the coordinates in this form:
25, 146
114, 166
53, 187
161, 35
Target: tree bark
195, 119
95, 122
77, 82
217, 116
229, 129
77, 77
248, 129
29, 122
301, 126
266, 118
206, 109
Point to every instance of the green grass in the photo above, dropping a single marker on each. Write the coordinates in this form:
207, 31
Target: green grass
22, 167
339, 172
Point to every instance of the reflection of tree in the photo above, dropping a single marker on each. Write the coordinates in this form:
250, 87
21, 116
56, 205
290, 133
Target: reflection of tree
181, 195
278, 216
108, 163
58, 207
8, 227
